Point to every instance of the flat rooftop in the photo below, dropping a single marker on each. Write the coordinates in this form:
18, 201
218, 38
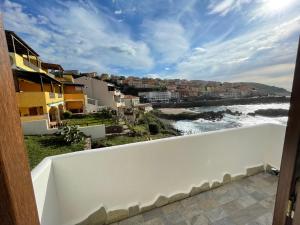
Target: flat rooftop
248, 201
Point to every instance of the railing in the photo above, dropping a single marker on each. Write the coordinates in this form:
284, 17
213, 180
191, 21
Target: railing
29, 64
51, 95
69, 188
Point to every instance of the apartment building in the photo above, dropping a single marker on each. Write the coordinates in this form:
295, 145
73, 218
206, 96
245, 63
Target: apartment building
131, 101
159, 96
39, 85
105, 93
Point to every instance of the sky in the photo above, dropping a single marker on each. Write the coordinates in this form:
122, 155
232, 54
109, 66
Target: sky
221, 40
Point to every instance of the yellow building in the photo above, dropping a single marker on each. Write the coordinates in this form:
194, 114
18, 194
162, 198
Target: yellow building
40, 86
39, 96
75, 99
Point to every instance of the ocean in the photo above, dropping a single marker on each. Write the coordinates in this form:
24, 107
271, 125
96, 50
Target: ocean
230, 121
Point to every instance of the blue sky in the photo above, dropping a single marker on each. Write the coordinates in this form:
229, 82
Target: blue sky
224, 40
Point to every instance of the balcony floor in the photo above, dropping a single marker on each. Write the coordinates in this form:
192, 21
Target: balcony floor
248, 201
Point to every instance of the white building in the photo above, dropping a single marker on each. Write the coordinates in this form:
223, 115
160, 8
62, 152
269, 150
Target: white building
131, 101
159, 96
105, 93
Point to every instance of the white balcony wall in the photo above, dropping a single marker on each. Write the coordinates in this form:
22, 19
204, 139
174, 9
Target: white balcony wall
122, 176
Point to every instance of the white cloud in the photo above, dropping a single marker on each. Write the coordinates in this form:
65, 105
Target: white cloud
79, 38
118, 12
280, 75
263, 47
223, 7
167, 39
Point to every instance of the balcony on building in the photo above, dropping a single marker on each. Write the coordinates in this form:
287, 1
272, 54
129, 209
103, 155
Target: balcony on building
75, 99
219, 177
53, 70
22, 56
39, 96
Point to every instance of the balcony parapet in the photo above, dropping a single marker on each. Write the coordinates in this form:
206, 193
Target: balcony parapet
117, 182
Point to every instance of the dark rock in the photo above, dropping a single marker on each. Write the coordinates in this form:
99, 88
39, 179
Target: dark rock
270, 112
210, 115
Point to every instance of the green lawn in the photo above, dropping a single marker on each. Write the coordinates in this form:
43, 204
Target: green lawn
89, 120
40, 147
121, 140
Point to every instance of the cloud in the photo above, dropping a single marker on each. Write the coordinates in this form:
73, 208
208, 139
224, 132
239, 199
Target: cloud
166, 38
223, 7
265, 46
118, 12
280, 75
79, 38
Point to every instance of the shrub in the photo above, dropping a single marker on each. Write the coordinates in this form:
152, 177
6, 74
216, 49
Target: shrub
67, 114
105, 114
153, 128
71, 134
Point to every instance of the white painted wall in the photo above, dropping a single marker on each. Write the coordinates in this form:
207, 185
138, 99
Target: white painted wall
97, 89
122, 176
46, 193
39, 127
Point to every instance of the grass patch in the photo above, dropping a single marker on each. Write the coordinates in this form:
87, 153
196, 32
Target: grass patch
89, 120
121, 140
40, 147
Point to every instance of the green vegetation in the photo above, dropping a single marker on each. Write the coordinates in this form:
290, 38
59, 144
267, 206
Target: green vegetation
121, 140
151, 121
67, 114
40, 147
140, 132
90, 119
71, 134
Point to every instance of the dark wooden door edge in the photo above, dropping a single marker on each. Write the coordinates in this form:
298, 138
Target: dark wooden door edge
17, 201
286, 182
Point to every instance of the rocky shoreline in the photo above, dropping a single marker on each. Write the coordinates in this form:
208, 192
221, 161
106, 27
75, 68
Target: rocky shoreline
270, 112
210, 115
224, 102
185, 114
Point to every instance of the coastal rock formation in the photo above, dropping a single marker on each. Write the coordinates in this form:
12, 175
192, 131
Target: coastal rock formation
270, 112
210, 115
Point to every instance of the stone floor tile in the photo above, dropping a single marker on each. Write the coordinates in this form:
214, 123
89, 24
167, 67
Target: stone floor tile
216, 214
207, 200
246, 201
155, 221
268, 202
270, 190
258, 195
189, 201
174, 217
176, 206
231, 207
249, 201
224, 221
199, 220
259, 182
135, 220
265, 219
244, 216
153, 214
191, 211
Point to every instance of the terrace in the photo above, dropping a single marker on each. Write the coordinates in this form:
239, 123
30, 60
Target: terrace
180, 180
